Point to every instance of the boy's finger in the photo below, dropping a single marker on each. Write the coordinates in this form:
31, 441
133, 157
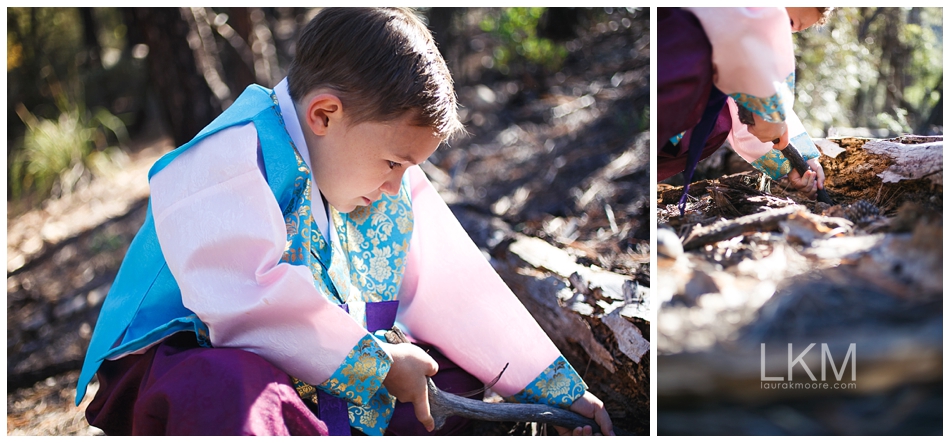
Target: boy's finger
429, 366
603, 420
433, 367
423, 414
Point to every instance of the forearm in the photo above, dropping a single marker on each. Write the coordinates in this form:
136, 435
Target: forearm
763, 155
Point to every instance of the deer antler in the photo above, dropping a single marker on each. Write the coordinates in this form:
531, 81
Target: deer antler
443, 405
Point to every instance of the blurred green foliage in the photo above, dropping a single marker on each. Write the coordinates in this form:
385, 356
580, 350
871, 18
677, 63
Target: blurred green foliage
877, 68
55, 153
54, 138
517, 31
105, 241
40, 42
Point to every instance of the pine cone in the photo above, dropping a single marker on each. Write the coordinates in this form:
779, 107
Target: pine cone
862, 212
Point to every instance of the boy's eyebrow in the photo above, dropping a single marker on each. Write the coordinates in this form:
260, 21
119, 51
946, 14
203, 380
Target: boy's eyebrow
407, 158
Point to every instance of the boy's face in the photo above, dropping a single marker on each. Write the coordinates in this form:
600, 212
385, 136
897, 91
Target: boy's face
355, 164
803, 18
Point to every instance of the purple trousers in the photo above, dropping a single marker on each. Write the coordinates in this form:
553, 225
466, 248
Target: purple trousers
684, 81
179, 388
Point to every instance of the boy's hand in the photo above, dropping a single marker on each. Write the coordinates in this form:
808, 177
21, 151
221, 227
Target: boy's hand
407, 379
816, 166
768, 132
589, 406
811, 182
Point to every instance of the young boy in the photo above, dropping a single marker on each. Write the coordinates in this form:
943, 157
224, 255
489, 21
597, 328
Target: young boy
713, 60
288, 233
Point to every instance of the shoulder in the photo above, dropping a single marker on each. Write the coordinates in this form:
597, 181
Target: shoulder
218, 158
731, 19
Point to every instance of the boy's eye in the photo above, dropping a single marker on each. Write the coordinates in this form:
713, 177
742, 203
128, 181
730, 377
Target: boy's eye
392, 164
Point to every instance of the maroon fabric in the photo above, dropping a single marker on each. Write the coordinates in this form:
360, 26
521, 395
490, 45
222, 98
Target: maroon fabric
684, 80
669, 165
179, 388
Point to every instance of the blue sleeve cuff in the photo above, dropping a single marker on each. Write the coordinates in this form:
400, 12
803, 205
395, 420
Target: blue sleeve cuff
776, 166
770, 109
773, 164
359, 381
806, 147
361, 374
675, 140
558, 385
373, 417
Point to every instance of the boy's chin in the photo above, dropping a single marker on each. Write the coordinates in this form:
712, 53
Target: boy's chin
347, 207
350, 205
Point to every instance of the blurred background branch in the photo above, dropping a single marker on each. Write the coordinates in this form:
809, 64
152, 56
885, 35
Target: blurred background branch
879, 69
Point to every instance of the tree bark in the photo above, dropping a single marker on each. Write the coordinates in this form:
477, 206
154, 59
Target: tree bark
187, 103
441, 24
601, 326
240, 65
93, 49
935, 116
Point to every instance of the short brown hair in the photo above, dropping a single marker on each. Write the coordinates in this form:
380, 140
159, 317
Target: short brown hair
383, 62
825, 14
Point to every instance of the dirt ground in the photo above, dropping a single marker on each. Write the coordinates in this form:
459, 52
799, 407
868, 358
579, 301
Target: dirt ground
743, 271
569, 164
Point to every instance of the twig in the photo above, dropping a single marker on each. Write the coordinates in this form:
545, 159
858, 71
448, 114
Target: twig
443, 405
726, 229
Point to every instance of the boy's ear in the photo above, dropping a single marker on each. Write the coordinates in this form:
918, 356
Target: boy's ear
323, 110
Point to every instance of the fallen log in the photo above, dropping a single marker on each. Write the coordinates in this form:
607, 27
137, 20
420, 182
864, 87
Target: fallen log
598, 319
862, 279
887, 173
443, 405
904, 158
770, 220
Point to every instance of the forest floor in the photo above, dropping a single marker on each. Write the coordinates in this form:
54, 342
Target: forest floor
745, 275
567, 162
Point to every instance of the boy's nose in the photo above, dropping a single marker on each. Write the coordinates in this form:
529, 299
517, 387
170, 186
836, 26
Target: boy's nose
391, 186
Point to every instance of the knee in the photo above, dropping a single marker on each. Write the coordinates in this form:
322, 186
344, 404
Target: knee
216, 391
227, 367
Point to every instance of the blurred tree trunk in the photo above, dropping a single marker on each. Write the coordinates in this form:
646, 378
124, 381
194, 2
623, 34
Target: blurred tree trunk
264, 47
187, 103
441, 24
897, 57
868, 16
935, 118
559, 24
242, 66
863, 105
93, 49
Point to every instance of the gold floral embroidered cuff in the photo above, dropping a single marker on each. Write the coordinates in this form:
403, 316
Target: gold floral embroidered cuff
558, 385
361, 374
675, 140
771, 109
806, 147
372, 418
773, 164
776, 166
